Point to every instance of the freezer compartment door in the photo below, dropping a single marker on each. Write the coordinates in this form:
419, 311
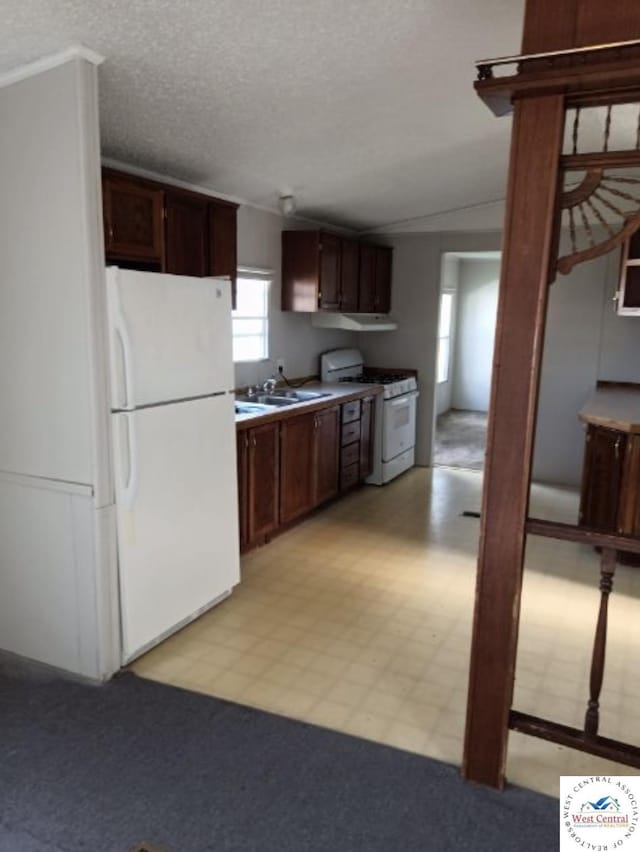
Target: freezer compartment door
177, 515
169, 337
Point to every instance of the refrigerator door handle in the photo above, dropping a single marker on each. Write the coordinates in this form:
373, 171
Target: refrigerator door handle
130, 464
126, 386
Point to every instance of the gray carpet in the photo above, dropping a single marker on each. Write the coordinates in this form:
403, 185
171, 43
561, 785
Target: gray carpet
460, 440
106, 768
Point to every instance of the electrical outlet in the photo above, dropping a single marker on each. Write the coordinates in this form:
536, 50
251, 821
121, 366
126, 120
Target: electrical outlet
280, 365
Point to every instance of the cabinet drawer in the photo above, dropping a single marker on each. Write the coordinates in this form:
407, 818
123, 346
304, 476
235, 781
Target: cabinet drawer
351, 411
350, 432
349, 476
350, 455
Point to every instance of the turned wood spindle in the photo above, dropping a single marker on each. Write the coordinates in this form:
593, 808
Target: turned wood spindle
607, 570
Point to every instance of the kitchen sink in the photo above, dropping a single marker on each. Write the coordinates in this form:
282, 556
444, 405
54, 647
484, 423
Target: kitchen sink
261, 402
300, 395
251, 408
265, 400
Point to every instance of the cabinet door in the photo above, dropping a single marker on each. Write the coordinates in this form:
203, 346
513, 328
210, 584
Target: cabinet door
243, 491
132, 219
602, 478
382, 300
367, 281
263, 480
329, 294
349, 276
296, 466
367, 424
327, 454
223, 251
186, 235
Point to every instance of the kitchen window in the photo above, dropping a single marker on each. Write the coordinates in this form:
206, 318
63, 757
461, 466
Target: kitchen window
444, 337
250, 319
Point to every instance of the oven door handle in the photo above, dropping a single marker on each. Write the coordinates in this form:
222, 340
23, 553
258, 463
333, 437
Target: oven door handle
404, 399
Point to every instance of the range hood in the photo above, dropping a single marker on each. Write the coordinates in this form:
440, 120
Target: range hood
354, 322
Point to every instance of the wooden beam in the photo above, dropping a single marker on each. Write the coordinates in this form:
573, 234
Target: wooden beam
564, 735
613, 77
550, 25
529, 232
582, 535
601, 160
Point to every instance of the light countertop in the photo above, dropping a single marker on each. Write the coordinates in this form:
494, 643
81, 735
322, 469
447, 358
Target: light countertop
338, 393
614, 408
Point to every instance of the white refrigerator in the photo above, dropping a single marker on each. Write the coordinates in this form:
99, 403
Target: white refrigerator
174, 452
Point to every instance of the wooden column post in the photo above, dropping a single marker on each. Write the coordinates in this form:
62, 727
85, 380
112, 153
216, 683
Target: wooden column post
528, 242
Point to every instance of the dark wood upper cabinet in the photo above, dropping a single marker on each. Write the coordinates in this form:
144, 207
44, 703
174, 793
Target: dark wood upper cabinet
375, 278
382, 298
367, 279
223, 249
327, 454
329, 283
162, 228
349, 260
133, 219
185, 234
327, 272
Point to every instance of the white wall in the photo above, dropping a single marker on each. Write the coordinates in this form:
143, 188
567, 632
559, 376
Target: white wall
55, 581
585, 341
475, 332
291, 335
415, 304
449, 284
44, 388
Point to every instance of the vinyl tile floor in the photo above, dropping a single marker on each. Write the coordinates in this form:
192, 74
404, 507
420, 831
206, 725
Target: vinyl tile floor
359, 620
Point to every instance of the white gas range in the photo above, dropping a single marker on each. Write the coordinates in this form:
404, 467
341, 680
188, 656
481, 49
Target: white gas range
395, 424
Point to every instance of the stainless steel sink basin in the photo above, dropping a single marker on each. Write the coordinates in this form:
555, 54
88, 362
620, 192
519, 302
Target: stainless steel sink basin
251, 408
264, 400
261, 402
300, 395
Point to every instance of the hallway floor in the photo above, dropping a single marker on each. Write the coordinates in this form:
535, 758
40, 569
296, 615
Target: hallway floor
460, 439
360, 620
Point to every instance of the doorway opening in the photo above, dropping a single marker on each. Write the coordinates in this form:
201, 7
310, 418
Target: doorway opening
466, 330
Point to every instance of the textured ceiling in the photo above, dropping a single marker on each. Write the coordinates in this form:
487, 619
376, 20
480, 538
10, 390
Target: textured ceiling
364, 109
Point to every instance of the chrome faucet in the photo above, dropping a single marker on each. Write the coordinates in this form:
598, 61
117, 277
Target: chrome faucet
270, 385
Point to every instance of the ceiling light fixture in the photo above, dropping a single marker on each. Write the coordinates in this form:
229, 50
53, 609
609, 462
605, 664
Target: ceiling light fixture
287, 205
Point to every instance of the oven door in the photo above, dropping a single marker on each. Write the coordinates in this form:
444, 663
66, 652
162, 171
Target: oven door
398, 425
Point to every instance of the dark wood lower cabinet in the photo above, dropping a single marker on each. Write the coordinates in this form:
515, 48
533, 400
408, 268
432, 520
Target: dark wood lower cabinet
296, 466
367, 427
309, 461
258, 483
326, 458
289, 467
242, 442
602, 478
610, 496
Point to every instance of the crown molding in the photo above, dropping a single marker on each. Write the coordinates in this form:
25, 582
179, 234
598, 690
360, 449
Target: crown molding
46, 63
